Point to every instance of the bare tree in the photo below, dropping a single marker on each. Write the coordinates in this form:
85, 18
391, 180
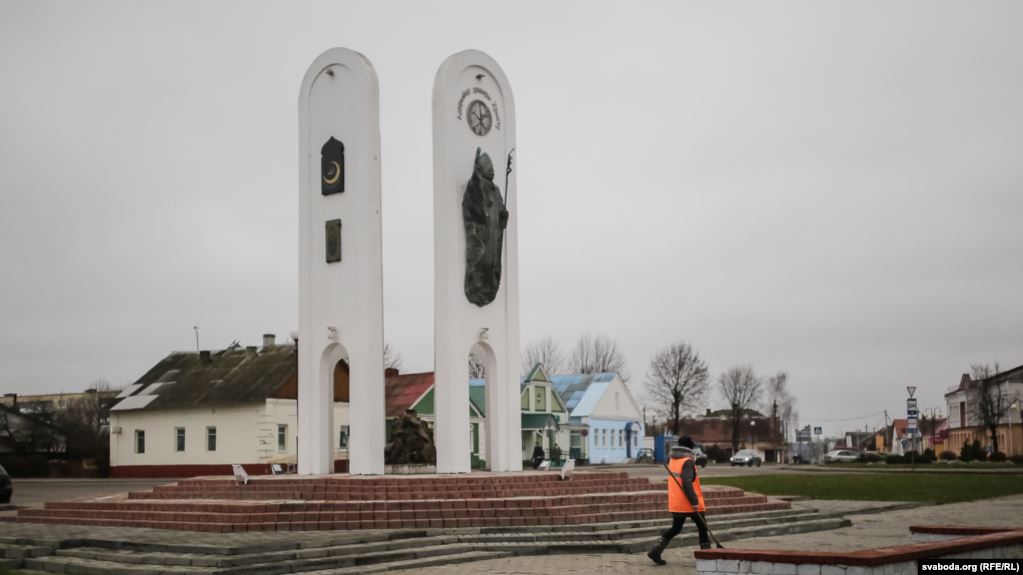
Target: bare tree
677, 382
477, 369
983, 370
990, 405
780, 404
597, 355
545, 351
741, 388
392, 357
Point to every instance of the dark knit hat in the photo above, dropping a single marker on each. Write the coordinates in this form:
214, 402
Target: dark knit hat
686, 441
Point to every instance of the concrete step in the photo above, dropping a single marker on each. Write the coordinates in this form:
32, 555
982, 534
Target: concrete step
452, 559
21, 551
401, 550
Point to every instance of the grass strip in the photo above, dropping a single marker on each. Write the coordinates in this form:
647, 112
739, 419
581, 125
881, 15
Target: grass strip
930, 487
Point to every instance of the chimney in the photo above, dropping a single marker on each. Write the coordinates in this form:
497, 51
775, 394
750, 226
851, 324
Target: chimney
204, 357
268, 339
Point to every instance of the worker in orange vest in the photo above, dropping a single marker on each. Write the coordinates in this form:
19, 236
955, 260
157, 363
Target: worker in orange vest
684, 502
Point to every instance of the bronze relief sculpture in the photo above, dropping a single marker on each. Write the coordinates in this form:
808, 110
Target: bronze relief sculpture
485, 218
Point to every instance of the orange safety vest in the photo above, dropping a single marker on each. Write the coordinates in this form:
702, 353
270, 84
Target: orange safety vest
677, 500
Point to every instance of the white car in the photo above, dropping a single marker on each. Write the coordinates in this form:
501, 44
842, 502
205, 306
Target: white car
747, 457
841, 455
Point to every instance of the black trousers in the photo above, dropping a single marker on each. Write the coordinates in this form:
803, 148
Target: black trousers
678, 520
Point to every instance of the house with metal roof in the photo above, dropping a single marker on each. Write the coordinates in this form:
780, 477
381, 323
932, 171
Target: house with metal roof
196, 413
544, 414
605, 419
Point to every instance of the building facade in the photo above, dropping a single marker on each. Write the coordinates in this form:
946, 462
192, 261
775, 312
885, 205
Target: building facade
966, 422
199, 413
606, 421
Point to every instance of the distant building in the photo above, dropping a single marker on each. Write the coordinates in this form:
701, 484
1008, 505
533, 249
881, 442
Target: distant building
756, 431
606, 421
964, 423
198, 413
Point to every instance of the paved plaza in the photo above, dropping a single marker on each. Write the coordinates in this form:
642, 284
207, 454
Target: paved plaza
869, 529
874, 524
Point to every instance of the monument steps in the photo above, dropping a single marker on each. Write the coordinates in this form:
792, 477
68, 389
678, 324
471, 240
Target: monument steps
347, 503
377, 552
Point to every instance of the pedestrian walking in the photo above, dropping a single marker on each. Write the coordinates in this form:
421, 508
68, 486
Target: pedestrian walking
685, 502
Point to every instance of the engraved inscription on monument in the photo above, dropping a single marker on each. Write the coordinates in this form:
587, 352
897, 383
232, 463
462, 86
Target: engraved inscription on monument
332, 167
485, 218
333, 241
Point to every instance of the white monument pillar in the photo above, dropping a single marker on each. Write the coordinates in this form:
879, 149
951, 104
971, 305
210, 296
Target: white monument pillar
473, 110
340, 261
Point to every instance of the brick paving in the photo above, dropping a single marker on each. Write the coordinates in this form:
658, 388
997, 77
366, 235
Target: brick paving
869, 529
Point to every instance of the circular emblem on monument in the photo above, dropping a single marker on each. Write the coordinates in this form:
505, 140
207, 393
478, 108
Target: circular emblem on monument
479, 118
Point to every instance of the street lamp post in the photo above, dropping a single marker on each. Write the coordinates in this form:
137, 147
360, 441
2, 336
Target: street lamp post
935, 414
753, 434
1012, 439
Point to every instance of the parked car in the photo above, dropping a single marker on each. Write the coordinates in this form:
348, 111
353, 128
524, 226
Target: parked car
747, 457
841, 455
701, 457
644, 455
6, 489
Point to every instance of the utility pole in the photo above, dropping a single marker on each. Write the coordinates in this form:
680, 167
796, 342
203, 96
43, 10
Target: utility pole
196, 328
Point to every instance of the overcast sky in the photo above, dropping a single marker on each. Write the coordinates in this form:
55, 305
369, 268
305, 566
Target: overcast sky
833, 189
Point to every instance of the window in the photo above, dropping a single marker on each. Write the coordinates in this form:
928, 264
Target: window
282, 437
962, 414
140, 441
635, 440
211, 438
603, 438
343, 439
621, 435
540, 398
179, 439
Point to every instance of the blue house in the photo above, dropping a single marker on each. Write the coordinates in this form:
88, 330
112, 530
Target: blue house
605, 420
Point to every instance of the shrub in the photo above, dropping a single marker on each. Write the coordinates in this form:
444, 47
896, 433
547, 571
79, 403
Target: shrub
948, 456
716, 454
895, 459
872, 457
1016, 459
926, 457
998, 456
972, 452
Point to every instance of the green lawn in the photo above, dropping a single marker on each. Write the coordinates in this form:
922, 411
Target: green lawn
932, 487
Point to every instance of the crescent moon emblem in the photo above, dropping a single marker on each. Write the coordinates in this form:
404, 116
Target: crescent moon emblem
337, 174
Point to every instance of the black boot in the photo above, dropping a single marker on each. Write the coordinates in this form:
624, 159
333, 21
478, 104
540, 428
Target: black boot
704, 545
655, 553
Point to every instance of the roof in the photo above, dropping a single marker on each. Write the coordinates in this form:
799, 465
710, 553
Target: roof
582, 391
538, 373
231, 377
538, 421
403, 391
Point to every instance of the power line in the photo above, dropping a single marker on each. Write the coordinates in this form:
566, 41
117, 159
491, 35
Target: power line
878, 414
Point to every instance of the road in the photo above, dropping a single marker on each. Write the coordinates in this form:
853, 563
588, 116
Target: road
34, 492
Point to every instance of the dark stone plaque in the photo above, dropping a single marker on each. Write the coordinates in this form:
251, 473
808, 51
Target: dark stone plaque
332, 167
333, 241
485, 218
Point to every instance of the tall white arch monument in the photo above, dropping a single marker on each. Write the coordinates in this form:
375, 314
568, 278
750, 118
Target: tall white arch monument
340, 261
476, 297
